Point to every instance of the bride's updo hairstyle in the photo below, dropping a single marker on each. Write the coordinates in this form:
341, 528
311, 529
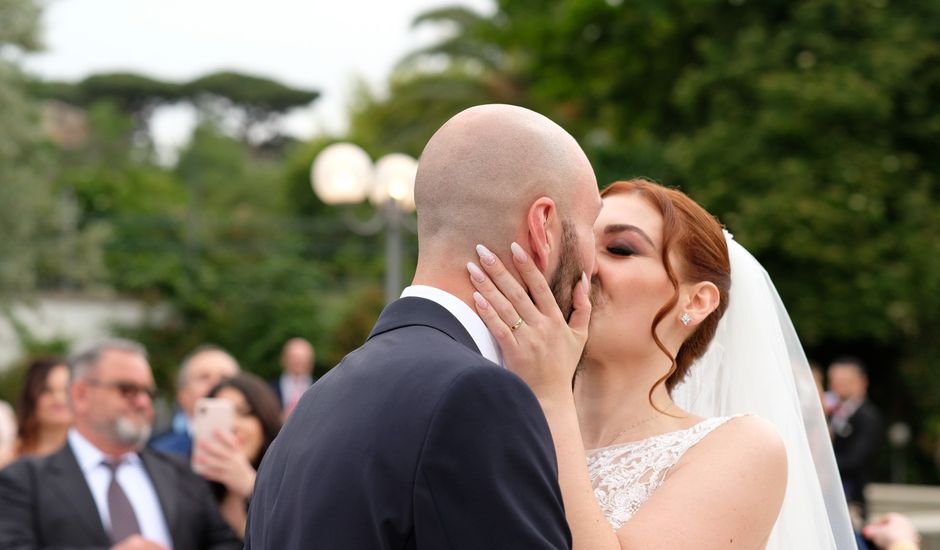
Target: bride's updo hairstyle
694, 238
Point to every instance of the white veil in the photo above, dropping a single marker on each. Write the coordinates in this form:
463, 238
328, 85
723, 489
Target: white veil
755, 364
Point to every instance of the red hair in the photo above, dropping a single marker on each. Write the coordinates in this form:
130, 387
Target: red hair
696, 238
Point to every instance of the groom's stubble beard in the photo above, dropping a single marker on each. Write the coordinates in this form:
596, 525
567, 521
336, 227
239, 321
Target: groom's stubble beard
595, 298
569, 270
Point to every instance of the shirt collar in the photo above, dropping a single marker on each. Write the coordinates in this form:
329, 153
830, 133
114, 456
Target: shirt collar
90, 457
297, 378
467, 317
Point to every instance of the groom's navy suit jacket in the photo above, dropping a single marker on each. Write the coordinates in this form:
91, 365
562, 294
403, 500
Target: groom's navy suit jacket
414, 441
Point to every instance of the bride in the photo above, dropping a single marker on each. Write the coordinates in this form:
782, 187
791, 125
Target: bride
692, 400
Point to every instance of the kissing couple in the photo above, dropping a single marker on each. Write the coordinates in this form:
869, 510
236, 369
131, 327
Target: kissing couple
568, 369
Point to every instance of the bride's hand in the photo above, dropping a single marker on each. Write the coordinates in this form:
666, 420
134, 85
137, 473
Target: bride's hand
536, 342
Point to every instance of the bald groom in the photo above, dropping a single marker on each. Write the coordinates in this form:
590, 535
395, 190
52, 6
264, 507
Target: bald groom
430, 443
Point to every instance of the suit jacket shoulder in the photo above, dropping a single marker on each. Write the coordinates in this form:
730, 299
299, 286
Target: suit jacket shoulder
415, 406
46, 503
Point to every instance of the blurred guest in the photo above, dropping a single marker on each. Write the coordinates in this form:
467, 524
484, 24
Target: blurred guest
231, 459
7, 434
202, 369
893, 532
102, 488
42, 410
297, 359
857, 430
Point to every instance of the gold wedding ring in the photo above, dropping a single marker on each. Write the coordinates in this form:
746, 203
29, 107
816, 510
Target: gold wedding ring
516, 325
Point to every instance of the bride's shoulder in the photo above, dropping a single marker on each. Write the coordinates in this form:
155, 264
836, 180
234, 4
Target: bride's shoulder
746, 442
743, 458
754, 429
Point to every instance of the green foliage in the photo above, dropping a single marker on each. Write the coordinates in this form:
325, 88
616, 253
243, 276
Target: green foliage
41, 244
19, 24
11, 380
257, 94
232, 242
220, 98
131, 92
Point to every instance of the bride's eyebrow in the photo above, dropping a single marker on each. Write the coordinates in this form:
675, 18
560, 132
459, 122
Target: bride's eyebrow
621, 227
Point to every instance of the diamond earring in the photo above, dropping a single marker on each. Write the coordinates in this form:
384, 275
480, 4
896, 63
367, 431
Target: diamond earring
686, 319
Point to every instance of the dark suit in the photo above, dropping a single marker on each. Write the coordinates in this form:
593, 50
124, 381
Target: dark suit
856, 446
46, 503
275, 384
414, 441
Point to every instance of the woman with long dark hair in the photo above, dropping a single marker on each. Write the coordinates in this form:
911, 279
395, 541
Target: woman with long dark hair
43, 415
230, 460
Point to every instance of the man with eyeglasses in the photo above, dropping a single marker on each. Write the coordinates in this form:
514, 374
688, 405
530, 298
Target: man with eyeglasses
103, 489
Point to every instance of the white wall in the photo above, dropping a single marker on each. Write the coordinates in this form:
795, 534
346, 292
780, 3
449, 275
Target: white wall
78, 319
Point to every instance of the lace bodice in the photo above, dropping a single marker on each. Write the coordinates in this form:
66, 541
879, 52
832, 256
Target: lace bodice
624, 476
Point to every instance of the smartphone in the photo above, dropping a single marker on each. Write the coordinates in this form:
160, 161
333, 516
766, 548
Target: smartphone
210, 415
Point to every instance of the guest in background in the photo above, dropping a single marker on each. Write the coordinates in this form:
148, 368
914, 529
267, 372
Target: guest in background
857, 431
43, 415
297, 359
893, 532
7, 434
102, 489
203, 368
231, 459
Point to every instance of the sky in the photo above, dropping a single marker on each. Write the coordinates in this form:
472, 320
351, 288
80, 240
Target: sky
323, 45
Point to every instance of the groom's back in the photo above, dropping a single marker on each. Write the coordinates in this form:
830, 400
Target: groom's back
413, 441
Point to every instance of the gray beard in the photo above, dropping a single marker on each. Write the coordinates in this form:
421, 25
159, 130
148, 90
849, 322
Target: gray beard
131, 434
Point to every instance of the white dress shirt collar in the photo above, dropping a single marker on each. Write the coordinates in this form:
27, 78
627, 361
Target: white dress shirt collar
90, 457
467, 317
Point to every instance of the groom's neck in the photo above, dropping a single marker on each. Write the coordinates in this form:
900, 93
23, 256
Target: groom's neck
451, 281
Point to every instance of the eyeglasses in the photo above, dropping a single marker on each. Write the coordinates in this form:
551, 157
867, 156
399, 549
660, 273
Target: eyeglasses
128, 390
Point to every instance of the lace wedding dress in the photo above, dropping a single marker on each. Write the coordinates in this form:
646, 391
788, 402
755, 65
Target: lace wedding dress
625, 476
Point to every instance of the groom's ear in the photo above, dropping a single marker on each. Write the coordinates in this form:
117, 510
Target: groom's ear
703, 298
543, 231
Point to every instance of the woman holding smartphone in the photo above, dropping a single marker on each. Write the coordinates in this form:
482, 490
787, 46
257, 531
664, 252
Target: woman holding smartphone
230, 459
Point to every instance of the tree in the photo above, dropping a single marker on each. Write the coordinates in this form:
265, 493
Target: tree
248, 104
257, 100
41, 244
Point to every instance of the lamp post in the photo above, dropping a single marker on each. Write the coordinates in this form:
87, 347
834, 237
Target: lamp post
344, 174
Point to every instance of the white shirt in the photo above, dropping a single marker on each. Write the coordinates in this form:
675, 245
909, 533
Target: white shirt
133, 479
467, 317
293, 387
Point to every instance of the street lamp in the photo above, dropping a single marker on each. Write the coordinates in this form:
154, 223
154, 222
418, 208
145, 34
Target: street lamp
344, 174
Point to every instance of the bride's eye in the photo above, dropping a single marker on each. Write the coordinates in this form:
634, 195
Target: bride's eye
620, 250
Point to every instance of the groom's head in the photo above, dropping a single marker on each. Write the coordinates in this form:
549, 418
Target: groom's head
494, 174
